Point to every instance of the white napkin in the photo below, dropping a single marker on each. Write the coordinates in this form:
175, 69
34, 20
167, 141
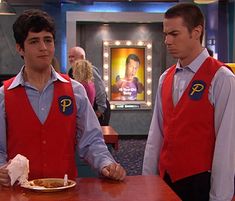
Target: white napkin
18, 169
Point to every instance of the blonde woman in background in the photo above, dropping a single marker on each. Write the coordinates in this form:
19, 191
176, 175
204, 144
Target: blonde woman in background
82, 72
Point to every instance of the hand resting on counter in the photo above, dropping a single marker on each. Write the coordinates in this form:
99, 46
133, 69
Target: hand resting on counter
114, 171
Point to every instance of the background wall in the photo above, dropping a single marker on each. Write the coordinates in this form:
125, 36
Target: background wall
10, 61
231, 27
90, 35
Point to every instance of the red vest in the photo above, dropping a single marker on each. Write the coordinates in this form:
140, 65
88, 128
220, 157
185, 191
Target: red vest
188, 127
50, 147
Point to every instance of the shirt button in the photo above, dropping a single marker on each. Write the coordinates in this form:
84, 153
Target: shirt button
44, 142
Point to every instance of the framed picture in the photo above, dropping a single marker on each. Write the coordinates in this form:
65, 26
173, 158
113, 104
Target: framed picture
127, 67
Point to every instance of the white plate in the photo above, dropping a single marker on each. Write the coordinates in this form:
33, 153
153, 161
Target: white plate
38, 184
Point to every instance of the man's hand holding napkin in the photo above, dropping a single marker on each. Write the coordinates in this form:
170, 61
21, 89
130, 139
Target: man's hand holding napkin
16, 170
4, 177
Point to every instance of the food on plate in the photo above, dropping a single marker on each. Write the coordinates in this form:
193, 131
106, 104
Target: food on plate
48, 183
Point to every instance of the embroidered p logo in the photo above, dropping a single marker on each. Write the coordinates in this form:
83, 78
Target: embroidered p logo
66, 105
197, 89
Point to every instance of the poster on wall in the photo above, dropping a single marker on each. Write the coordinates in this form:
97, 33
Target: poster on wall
127, 73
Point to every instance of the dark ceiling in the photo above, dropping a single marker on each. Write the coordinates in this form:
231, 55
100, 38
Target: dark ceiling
28, 2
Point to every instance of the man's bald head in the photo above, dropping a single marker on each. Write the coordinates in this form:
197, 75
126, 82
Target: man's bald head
76, 53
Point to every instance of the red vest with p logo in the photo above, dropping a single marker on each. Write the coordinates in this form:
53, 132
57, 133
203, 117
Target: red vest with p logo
50, 147
188, 127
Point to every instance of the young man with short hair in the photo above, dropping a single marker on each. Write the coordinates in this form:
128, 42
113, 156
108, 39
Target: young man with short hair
45, 115
191, 141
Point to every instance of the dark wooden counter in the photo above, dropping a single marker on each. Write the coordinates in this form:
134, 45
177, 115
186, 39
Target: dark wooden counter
110, 136
134, 188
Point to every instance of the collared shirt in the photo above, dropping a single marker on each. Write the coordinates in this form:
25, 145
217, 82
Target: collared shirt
222, 97
90, 142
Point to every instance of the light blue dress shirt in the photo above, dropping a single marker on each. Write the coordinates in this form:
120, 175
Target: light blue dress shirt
222, 97
90, 140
